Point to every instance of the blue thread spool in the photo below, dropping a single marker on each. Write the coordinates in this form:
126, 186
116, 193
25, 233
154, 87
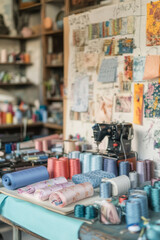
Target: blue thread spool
79, 211
147, 189
124, 168
75, 154
110, 165
153, 230
81, 158
143, 200
106, 190
105, 164
133, 212
86, 167
90, 212
155, 199
96, 163
8, 148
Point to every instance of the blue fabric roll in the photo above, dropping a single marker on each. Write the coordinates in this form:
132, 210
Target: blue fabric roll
25, 177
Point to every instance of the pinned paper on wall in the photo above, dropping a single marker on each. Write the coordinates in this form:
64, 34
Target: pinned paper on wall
123, 104
80, 37
130, 24
153, 24
90, 115
152, 100
104, 106
128, 68
79, 61
90, 60
124, 26
152, 67
80, 98
138, 104
138, 68
108, 71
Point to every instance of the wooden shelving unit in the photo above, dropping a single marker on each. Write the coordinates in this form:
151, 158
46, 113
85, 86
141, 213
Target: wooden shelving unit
53, 126
16, 84
54, 65
31, 8
20, 38
16, 63
55, 99
53, 32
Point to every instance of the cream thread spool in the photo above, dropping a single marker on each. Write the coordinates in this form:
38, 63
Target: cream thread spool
69, 146
120, 185
3, 56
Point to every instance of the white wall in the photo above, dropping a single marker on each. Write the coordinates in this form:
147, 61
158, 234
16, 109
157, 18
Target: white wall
143, 138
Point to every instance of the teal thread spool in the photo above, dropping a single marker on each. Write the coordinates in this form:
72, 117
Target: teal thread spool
90, 212
79, 211
155, 199
157, 184
153, 230
147, 189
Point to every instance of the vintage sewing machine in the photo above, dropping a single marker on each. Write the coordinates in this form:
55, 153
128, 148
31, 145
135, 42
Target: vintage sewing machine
120, 136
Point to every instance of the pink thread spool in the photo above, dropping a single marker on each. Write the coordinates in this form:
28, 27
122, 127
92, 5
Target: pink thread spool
66, 160
45, 145
50, 166
60, 169
74, 167
38, 145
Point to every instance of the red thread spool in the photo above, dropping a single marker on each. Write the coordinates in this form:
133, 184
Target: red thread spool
60, 169
66, 160
50, 166
122, 198
74, 167
38, 145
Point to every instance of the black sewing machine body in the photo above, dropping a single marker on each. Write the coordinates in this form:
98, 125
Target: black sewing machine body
119, 136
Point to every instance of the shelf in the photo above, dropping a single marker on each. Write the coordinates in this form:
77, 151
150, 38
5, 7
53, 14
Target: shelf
54, 65
55, 1
31, 8
16, 63
55, 99
53, 126
16, 84
19, 37
56, 32
12, 126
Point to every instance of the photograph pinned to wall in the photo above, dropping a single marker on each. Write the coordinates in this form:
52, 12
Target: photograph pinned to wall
108, 71
126, 45
157, 139
153, 24
124, 26
138, 68
80, 98
123, 104
130, 24
109, 47
80, 37
126, 86
91, 60
138, 104
104, 106
151, 101
128, 68
152, 67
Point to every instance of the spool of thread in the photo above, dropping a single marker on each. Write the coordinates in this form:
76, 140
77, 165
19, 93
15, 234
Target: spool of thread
155, 199
8, 148
4, 56
147, 189
75, 154
157, 184
105, 190
110, 165
122, 198
143, 200
120, 185
141, 169
153, 180
90, 212
81, 158
4, 117
133, 176
50, 166
9, 118
133, 212
74, 167
148, 169
38, 145
69, 146
79, 211
124, 168
59, 169
96, 163
86, 167
66, 160
153, 230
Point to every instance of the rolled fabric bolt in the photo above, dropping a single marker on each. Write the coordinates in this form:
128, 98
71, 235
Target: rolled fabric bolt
50, 166
22, 178
71, 194
51, 182
44, 193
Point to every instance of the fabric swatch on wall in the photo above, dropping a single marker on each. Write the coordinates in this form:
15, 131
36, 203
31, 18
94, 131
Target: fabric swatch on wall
130, 24
138, 68
153, 24
108, 71
138, 104
152, 101
128, 68
152, 67
123, 104
104, 106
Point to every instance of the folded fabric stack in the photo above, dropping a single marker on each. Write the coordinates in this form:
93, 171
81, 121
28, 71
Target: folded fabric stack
93, 177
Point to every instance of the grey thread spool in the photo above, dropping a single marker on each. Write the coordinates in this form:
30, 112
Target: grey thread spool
105, 190
141, 169
133, 176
